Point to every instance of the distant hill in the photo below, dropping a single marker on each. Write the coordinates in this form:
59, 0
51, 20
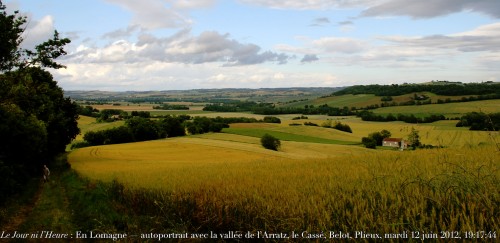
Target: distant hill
205, 95
439, 88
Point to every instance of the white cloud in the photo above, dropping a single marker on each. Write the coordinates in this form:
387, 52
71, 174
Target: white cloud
209, 46
156, 75
310, 4
412, 8
154, 14
191, 4
475, 49
483, 38
434, 8
340, 45
37, 32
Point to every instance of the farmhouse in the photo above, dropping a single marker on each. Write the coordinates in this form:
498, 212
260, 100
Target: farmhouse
395, 142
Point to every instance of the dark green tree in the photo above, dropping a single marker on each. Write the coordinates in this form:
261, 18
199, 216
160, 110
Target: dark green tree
270, 142
171, 127
143, 129
369, 142
36, 121
414, 138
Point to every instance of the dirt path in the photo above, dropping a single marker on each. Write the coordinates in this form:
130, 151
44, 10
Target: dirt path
22, 213
49, 211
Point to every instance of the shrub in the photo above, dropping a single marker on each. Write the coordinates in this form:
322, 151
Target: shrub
271, 119
342, 127
270, 142
369, 142
81, 144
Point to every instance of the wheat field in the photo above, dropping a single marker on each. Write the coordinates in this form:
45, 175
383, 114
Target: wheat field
228, 182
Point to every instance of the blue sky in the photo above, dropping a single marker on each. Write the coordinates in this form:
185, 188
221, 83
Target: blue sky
167, 45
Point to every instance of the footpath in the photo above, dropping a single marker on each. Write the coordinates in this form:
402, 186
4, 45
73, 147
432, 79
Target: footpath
44, 214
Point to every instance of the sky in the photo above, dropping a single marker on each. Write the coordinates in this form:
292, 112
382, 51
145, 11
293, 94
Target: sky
121, 45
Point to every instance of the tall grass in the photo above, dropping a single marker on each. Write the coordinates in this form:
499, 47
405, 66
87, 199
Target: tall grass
426, 190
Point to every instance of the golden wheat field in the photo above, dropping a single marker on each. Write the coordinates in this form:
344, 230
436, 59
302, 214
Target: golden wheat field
222, 181
170, 163
229, 177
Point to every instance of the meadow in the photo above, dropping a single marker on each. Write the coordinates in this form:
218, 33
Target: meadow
315, 183
364, 100
449, 109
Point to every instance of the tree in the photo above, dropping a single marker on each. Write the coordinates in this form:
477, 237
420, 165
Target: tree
270, 142
14, 57
385, 134
414, 138
36, 121
143, 129
171, 127
342, 127
369, 142
375, 139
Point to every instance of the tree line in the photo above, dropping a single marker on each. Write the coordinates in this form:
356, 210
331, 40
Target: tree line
452, 89
270, 109
479, 121
370, 116
36, 120
138, 129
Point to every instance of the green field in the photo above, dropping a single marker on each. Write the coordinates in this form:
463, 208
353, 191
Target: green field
364, 100
292, 134
449, 109
361, 100
87, 124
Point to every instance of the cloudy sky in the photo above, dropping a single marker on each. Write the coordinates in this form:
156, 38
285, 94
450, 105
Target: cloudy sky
167, 44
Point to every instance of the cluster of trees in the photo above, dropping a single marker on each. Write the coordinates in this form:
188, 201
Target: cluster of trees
236, 106
200, 125
337, 125
171, 107
452, 89
370, 116
87, 111
270, 142
229, 120
480, 121
108, 115
375, 139
306, 110
270, 109
36, 120
143, 129
139, 128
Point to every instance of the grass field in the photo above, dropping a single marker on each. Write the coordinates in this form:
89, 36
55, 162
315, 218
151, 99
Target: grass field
86, 124
449, 109
287, 136
363, 100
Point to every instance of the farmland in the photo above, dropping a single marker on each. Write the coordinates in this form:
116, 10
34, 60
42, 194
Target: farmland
450, 109
320, 179
296, 190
